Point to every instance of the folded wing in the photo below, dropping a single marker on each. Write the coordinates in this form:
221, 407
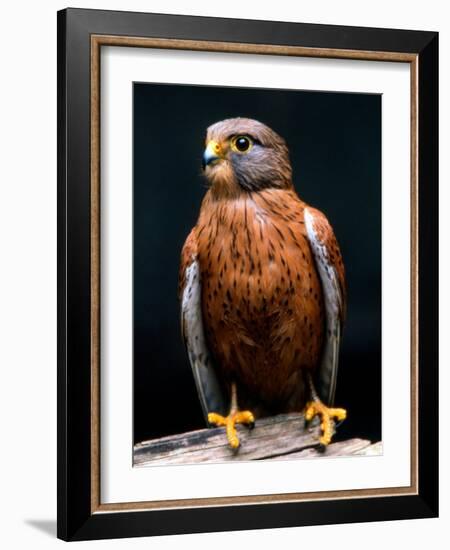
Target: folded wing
330, 267
190, 290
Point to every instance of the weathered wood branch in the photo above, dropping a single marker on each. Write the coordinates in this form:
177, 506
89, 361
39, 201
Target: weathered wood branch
276, 438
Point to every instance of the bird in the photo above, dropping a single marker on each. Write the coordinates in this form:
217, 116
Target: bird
262, 288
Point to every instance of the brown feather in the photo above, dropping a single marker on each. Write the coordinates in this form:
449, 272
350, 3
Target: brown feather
262, 300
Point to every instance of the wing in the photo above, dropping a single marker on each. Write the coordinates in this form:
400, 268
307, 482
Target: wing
190, 292
330, 267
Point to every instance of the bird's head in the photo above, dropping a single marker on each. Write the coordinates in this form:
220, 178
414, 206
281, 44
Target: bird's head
243, 155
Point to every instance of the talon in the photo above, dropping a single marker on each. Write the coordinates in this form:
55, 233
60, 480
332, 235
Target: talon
230, 421
327, 416
321, 448
244, 417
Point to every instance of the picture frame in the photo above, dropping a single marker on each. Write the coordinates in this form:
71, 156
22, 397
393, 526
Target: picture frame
81, 36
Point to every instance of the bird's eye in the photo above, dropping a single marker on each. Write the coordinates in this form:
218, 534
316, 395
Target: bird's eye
241, 144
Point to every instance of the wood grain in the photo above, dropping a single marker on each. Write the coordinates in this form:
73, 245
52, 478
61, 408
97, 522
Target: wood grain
257, 49
276, 438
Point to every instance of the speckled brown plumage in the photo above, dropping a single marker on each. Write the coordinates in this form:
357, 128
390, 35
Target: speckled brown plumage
262, 298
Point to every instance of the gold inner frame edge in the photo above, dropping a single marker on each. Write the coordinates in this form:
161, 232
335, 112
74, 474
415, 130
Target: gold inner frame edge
97, 41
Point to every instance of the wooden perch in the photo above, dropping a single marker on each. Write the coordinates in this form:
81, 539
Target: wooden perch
276, 438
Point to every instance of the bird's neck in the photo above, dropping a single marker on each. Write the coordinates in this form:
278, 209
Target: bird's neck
225, 184
277, 201
229, 189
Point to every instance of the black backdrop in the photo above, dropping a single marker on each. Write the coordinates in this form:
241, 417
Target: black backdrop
335, 147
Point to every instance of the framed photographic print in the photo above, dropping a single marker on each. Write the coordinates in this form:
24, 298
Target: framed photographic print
247, 258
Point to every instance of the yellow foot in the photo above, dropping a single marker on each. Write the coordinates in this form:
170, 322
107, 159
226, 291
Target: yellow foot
327, 415
230, 421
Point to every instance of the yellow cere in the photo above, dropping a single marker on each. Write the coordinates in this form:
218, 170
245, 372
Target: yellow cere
214, 147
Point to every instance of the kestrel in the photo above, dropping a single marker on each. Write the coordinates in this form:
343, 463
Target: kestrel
262, 287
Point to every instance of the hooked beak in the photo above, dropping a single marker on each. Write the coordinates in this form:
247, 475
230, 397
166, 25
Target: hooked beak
212, 154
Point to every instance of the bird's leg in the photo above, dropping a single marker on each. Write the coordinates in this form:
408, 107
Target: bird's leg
235, 416
327, 414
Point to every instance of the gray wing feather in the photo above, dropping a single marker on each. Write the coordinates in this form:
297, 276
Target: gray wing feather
208, 387
327, 372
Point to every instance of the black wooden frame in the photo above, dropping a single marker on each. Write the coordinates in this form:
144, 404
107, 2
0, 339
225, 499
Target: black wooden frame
75, 520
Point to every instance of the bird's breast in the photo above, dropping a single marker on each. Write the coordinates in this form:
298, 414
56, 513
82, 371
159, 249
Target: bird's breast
261, 296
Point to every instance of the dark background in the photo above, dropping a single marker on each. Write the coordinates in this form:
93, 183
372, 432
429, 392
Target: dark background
335, 147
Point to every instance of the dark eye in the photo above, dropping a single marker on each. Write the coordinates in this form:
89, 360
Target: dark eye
242, 144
